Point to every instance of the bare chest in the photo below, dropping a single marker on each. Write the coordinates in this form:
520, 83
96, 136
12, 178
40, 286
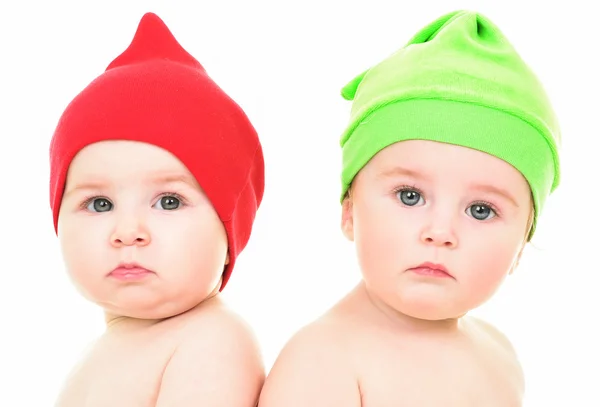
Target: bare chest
417, 375
118, 375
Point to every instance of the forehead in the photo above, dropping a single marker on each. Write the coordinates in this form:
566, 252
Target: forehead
124, 161
446, 163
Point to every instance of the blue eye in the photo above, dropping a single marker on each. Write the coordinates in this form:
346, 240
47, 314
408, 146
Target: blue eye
168, 203
481, 212
99, 205
409, 197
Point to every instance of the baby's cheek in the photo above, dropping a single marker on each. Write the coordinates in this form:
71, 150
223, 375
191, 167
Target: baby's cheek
82, 253
489, 271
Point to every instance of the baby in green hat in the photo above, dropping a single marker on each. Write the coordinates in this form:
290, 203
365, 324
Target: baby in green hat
449, 156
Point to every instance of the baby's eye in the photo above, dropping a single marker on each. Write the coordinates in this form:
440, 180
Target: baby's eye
99, 205
168, 203
409, 197
481, 212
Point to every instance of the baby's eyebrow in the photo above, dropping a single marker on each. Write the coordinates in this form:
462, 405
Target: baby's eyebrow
161, 179
89, 185
173, 178
496, 191
401, 171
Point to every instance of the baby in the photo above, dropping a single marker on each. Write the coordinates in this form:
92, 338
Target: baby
448, 159
156, 177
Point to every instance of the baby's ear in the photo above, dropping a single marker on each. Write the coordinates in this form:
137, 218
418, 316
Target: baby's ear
517, 260
347, 219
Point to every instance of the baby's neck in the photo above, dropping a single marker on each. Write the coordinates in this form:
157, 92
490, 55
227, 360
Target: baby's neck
405, 322
122, 322
125, 322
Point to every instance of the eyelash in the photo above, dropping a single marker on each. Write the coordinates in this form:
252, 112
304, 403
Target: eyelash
402, 188
181, 199
489, 205
88, 200
414, 188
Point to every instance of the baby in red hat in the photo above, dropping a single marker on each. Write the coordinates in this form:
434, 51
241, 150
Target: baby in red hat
156, 176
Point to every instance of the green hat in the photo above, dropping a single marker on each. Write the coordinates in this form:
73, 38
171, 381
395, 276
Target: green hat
457, 81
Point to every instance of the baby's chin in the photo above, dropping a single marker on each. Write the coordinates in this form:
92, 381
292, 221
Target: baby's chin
426, 305
151, 308
430, 313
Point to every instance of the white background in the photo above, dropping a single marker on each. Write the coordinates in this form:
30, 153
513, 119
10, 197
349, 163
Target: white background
285, 63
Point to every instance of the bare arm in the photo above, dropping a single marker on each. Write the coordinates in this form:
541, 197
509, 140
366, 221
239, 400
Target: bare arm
311, 371
218, 365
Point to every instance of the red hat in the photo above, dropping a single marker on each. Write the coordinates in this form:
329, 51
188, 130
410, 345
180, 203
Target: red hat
156, 92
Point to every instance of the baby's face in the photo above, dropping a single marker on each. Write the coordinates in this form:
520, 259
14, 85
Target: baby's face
129, 203
420, 202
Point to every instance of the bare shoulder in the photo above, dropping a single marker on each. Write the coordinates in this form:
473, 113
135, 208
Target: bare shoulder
494, 334
313, 369
218, 352
507, 357
219, 318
